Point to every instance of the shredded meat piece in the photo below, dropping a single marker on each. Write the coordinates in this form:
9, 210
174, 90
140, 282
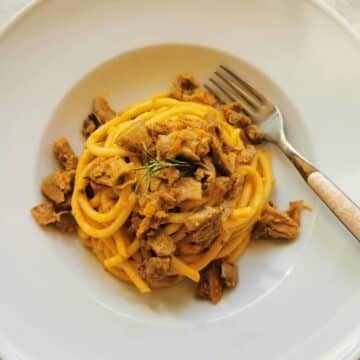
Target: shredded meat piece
214, 278
295, 209
229, 274
204, 226
247, 155
44, 213
225, 163
192, 144
206, 172
218, 189
65, 154
235, 115
109, 171
57, 185
170, 174
65, 205
186, 188
162, 245
90, 124
102, 110
276, 224
186, 88
254, 134
156, 272
135, 138
168, 126
66, 222
210, 286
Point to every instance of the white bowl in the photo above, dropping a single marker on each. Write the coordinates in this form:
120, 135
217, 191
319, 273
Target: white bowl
294, 301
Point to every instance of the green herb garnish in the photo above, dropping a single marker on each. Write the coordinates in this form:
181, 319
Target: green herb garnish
154, 165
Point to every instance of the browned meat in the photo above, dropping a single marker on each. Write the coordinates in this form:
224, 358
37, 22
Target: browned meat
229, 274
165, 127
162, 245
190, 144
218, 189
206, 172
101, 109
90, 124
156, 271
65, 154
65, 205
136, 138
254, 134
44, 213
204, 226
276, 224
170, 175
217, 275
210, 286
66, 222
57, 185
109, 171
295, 209
247, 155
225, 163
186, 88
186, 188
234, 115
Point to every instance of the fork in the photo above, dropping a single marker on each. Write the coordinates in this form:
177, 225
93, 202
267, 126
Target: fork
227, 87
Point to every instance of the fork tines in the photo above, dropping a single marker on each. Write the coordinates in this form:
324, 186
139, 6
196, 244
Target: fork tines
226, 86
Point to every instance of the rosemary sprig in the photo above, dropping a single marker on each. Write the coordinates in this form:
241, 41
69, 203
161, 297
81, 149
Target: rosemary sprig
154, 165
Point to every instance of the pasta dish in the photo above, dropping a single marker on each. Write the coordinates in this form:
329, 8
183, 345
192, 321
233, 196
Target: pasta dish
172, 187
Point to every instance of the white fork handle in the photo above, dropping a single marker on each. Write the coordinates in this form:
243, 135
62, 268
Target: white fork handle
345, 209
339, 203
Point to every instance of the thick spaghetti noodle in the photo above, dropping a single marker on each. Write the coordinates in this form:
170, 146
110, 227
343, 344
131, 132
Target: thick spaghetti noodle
171, 188
103, 219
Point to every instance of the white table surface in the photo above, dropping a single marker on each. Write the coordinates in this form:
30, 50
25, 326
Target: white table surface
349, 9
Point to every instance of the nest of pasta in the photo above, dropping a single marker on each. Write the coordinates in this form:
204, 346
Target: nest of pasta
174, 187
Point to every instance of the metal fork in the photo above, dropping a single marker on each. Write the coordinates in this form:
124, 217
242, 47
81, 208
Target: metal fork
227, 87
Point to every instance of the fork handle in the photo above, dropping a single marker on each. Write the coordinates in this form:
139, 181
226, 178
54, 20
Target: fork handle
335, 199
345, 209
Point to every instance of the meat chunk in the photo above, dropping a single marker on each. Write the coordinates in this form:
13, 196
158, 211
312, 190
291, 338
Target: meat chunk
90, 124
168, 126
204, 226
156, 271
235, 115
136, 138
229, 274
214, 278
190, 144
225, 163
295, 209
206, 172
247, 155
44, 213
102, 110
276, 224
162, 245
186, 188
210, 286
108, 171
65, 154
218, 189
66, 222
186, 88
254, 134
57, 185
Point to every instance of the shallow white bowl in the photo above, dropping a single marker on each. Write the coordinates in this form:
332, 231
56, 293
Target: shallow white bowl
294, 301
